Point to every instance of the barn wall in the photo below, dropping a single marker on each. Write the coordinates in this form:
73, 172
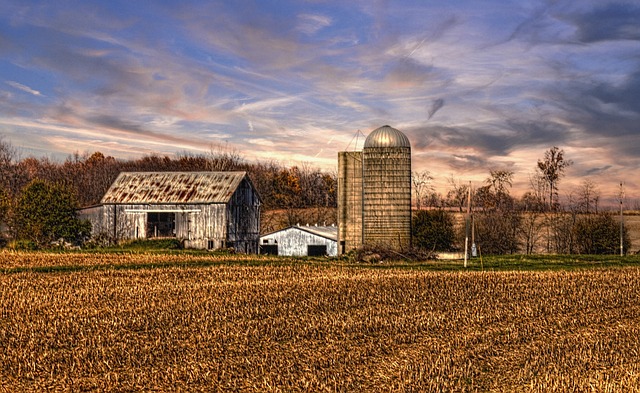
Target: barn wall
294, 242
201, 226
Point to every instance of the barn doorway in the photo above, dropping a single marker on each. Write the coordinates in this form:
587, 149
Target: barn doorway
160, 224
269, 249
316, 250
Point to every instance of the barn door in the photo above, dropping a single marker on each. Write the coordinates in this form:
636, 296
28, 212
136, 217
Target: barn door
160, 224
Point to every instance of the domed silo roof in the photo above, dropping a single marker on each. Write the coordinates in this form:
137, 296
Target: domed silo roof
386, 136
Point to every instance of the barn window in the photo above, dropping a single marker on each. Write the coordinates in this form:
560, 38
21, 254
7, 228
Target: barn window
316, 250
160, 224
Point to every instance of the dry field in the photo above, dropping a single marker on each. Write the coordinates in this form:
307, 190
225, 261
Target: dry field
313, 328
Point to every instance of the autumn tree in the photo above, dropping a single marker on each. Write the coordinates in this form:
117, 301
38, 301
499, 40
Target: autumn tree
551, 169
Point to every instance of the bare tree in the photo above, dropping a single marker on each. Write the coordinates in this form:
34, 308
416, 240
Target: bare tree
422, 186
222, 158
588, 196
457, 195
552, 168
499, 182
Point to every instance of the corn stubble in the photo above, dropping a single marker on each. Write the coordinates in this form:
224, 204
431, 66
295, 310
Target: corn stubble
316, 328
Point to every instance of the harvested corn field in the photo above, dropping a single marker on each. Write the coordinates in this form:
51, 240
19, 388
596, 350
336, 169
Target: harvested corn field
313, 327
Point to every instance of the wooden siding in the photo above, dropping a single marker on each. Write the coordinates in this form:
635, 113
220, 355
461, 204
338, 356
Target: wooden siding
294, 241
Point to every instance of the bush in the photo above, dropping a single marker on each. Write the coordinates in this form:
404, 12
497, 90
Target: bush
47, 212
433, 230
23, 245
599, 234
497, 232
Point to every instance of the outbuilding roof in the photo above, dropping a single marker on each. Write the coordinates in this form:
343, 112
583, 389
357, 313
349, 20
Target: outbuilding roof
173, 187
328, 232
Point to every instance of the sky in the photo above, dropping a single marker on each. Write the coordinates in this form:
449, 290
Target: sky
476, 85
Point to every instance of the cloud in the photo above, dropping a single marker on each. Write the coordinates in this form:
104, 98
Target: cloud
435, 106
310, 24
610, 22
24, 88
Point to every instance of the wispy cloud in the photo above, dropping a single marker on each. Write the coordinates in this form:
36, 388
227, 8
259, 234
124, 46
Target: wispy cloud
473, 85
24, 88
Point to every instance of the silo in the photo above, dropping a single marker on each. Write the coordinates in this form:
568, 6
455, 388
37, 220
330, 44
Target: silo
387, 189
349, 201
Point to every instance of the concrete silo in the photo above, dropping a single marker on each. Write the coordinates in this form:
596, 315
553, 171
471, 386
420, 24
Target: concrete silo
387, 189
350, 206
374, 193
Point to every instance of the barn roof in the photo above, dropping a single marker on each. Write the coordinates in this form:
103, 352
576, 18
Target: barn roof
173, 187
328, 232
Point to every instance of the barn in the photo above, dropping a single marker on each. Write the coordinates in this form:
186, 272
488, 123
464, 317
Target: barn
207, 210
301, 241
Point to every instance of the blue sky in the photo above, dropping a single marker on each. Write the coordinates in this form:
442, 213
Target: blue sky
475, 85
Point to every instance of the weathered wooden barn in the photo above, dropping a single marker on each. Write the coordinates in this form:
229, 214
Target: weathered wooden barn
301, 241
208, 210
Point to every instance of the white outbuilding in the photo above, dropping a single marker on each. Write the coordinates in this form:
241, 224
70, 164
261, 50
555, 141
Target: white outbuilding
308, 240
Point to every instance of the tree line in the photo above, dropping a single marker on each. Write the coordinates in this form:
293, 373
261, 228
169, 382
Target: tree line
39, 199
502, 224
28, 184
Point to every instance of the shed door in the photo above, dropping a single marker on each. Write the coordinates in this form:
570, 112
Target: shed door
269, 249
161, 224
316, 250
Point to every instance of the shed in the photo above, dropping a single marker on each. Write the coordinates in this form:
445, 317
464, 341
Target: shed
208, 210
301, 241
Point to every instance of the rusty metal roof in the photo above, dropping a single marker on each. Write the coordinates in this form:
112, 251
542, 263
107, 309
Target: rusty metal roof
173, 187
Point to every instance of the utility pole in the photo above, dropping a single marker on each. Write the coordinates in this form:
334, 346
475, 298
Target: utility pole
621, 221
466, 239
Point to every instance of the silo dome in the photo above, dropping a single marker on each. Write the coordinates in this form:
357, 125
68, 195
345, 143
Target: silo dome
386, 136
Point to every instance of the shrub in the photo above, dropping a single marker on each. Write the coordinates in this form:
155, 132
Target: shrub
433, 230
23, 245
47, 212
599, 234
497, 232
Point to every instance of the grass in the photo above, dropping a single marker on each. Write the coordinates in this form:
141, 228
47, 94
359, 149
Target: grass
185, 322
152, 257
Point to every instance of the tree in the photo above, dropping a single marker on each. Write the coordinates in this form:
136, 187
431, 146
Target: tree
457, 195
422, 186
497, 224
495, 195
588, 197
551, 169
46, 212
433, 230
